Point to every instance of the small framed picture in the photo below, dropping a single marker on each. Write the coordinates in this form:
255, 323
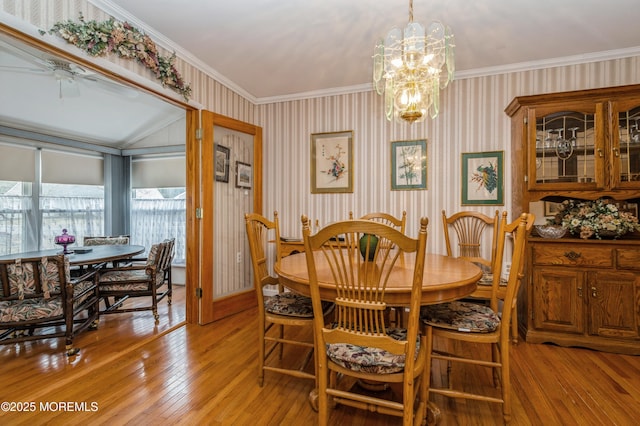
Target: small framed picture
223, 155
409, 165
243, 175
551, 208
483, 178
332, 162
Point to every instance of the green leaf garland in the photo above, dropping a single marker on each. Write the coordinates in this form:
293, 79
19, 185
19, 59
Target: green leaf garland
124, 40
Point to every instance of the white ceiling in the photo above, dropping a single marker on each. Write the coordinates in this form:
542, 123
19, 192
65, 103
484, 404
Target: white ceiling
286, 49
101, 111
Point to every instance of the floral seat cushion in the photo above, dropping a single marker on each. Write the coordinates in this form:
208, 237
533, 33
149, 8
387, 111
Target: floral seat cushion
461, 316
368, 359
39, 308
127, 280
289, 304
487, 279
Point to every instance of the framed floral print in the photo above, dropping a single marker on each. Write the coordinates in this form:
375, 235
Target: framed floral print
223, 155
483, 178
409, 165
332, 162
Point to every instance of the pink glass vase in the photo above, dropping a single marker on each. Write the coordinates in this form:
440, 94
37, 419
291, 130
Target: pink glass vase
64, 240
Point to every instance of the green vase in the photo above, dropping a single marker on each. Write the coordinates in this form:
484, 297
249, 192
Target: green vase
372, 242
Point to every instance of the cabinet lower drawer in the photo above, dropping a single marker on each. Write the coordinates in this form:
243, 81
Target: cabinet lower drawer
628, 259
572, 255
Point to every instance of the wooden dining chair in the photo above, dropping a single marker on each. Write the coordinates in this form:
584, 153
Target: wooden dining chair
165, 266
280, 313
92, 241
475, 236
141, 280
477, 323
399, 223
105, 241
359, 345
40, 300
396, 314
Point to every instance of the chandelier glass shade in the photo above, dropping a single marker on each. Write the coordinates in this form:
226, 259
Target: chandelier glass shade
410, 68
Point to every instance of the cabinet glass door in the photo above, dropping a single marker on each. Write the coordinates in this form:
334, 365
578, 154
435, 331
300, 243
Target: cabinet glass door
626, 146
564, 148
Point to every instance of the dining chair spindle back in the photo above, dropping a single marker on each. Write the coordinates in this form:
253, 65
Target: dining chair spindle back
279, 313
361, 255
480, 324
476, 237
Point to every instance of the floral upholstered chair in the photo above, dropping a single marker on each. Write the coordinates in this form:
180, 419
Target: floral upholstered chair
105, 241
280, 315
451, 324
39, 300
359, 345
136, 280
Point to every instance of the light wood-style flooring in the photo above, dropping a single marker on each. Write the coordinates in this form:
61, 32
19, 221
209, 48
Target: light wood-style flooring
131, 371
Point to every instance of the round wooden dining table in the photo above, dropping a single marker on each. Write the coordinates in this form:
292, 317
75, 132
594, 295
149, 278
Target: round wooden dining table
445, 278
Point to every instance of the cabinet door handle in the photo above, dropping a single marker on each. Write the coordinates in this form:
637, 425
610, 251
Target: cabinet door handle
594, 292
600, 154
572, 255
616, 152
580, 292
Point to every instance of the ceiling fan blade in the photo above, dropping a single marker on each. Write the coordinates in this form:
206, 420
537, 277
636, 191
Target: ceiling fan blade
31, 70
111, 87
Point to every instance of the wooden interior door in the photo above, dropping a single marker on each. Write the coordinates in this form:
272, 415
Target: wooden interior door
214, 219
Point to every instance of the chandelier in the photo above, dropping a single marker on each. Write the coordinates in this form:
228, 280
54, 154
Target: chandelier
411, 68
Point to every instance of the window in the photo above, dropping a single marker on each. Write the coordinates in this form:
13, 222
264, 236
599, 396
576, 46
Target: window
69, 194
158, 202
77, 208
15, 209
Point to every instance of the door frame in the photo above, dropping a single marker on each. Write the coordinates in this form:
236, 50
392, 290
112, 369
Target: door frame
192, 117
201, 215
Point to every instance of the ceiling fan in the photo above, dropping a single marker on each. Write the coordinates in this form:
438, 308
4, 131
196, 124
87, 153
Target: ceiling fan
66, 74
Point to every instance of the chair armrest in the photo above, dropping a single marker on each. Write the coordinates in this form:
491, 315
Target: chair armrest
149, 269
87, 276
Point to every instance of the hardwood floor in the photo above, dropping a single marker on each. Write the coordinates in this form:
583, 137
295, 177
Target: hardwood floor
130, 371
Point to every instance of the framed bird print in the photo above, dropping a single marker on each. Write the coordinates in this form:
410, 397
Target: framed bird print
483, 178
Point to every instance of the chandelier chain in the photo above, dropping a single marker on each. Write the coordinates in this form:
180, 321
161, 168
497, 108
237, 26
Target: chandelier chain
410, 10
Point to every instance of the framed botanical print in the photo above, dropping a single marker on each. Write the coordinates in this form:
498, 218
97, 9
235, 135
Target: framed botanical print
483, 178
332, 162
409, 165
223, 155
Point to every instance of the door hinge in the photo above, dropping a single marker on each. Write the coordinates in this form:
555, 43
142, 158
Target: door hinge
199, 213
199, 293
199, 134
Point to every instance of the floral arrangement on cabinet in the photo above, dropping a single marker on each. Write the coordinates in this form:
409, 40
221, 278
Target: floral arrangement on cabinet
594, 219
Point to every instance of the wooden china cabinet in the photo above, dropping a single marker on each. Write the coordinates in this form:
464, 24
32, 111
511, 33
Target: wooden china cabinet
579, 145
